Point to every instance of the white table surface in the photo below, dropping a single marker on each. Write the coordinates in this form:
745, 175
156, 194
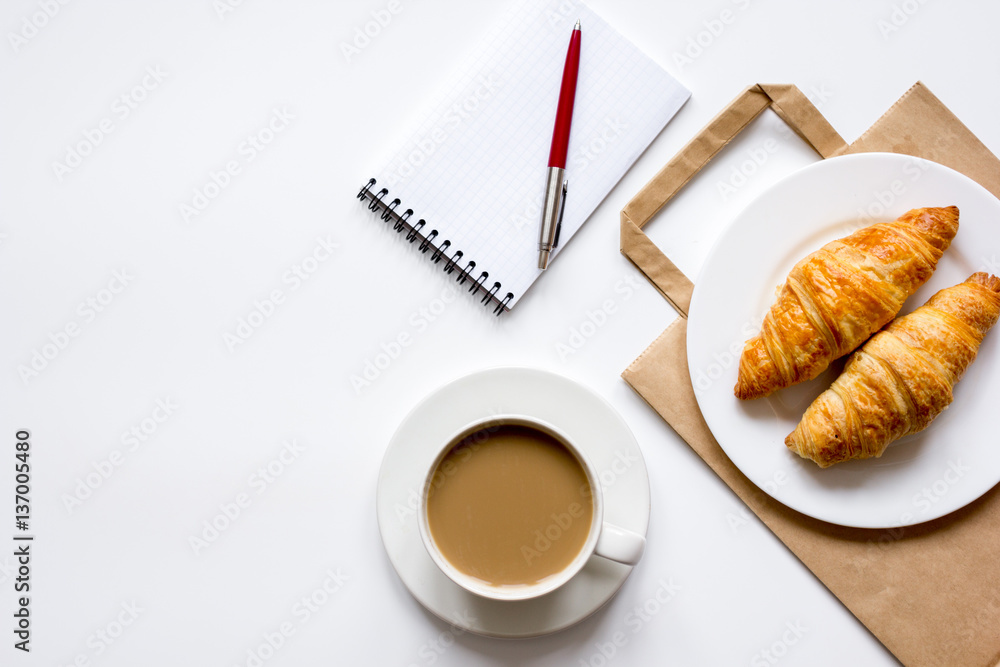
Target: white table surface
115, 578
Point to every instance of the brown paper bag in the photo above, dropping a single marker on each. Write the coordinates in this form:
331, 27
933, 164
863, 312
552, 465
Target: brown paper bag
930, 592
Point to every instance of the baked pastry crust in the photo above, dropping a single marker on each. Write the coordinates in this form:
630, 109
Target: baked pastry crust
838, 296
902, 378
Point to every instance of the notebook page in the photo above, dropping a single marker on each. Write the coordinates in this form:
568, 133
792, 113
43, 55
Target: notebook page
474, 165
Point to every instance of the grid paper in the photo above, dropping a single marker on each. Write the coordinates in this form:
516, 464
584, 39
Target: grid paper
474, 165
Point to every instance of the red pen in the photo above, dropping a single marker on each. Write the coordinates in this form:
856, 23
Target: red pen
555, 184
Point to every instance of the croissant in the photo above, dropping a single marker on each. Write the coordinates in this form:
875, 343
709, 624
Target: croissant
902, 378
838, 296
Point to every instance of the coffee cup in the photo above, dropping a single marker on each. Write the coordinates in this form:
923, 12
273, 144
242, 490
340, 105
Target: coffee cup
512, 509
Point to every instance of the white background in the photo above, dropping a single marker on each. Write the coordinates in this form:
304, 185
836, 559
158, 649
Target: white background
160, 335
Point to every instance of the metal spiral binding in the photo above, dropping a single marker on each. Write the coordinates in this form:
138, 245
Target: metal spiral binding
387, 213
428, 241
401, 221
414, 232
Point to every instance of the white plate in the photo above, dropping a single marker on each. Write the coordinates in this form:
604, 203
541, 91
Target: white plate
918, 478
586, 418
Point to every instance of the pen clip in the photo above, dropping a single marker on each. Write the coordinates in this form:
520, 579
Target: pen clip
562, 209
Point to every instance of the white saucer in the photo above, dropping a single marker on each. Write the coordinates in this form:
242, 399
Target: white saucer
586, 418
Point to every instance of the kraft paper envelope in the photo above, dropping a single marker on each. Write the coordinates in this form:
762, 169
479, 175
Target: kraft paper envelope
930, 592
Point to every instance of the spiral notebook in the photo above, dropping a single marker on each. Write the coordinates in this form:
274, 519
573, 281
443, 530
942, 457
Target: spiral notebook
466, 186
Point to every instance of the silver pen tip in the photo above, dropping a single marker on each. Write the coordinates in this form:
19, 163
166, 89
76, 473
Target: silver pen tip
543, 259
577, 26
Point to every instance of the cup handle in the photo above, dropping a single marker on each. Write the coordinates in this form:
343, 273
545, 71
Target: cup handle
620, 545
